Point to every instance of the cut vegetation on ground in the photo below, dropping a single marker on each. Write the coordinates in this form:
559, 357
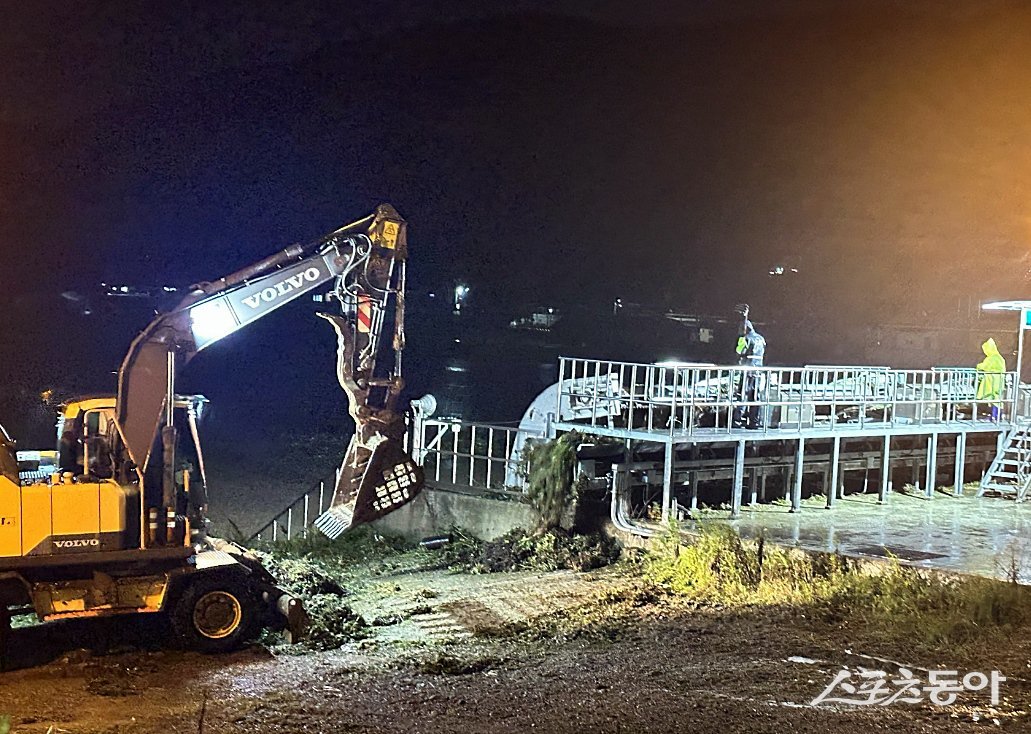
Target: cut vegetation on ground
733, 635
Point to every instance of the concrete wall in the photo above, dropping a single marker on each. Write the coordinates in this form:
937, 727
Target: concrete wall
436, 511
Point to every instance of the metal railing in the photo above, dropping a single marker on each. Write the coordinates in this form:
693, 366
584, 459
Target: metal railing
685, 401
451, 452
473, 455
296, 518
1022, 412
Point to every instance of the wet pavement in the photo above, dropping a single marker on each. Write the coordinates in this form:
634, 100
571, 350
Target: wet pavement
986, 536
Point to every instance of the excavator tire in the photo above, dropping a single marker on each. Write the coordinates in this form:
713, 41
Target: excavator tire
215, 613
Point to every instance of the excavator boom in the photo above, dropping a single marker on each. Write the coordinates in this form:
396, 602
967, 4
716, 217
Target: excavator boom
365, 263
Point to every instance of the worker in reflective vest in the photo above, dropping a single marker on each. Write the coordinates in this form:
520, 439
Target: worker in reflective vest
751, 349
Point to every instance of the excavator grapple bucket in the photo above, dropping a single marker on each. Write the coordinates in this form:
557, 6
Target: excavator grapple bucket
372, 486
377, 475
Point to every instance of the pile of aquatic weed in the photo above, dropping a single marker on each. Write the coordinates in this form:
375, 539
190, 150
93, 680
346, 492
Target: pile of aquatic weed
310, 568
549, 468
520, 550
718, 567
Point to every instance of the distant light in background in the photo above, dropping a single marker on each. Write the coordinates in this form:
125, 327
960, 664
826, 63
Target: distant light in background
461, 292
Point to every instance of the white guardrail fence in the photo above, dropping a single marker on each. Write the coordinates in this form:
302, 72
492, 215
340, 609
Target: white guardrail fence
472, 455
700, 400
453, 453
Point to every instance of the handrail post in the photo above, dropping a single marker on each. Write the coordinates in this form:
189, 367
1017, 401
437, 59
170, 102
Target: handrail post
673, 402
561, 381
304, 525
1015, 387
691, 414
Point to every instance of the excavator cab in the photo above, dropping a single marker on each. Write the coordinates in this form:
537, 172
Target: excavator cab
80, 507
91, 449
93, 501
64, 513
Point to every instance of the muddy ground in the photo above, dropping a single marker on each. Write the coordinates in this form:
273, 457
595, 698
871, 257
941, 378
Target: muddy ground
504, 652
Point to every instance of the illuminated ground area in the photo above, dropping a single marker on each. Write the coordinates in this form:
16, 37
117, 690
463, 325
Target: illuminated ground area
506, 652
986, 536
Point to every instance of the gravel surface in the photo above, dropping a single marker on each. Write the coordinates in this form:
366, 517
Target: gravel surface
507, 652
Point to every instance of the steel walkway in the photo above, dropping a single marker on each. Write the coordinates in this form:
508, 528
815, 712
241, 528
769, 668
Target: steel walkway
676, 404
673, 405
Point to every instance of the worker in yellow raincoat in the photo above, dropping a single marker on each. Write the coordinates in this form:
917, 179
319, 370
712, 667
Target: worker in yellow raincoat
990, 376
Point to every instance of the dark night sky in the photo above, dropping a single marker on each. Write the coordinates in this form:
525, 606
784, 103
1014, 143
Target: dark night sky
669, 152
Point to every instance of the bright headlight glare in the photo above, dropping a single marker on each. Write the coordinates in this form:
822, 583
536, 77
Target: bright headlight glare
211, 321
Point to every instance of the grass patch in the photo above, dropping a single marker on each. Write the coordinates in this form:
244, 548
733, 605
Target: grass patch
358, 545
719, 567
896, 601
937, 609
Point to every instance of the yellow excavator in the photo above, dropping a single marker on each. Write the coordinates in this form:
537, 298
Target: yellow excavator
121, 525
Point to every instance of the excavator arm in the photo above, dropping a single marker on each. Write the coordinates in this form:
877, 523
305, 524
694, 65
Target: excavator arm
365, 262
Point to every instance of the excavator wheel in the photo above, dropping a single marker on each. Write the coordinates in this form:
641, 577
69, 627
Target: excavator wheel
214, 613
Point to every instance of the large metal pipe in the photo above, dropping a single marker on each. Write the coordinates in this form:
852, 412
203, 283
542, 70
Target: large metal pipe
252, 271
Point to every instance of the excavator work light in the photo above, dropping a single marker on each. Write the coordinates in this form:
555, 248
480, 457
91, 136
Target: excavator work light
210, 321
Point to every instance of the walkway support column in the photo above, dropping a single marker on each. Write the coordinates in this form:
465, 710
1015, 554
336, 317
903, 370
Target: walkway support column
885, 470
961, 460
667, 481
932, 464
832, 488
694, 482
796, 493
739, 479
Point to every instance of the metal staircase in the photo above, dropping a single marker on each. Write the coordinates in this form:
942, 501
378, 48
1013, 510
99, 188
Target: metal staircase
1010, 472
